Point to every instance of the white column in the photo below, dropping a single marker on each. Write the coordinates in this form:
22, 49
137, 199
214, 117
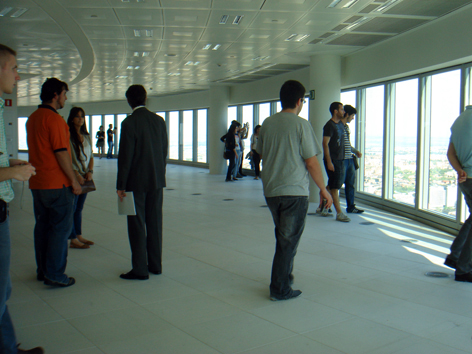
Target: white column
219, 100
325, 79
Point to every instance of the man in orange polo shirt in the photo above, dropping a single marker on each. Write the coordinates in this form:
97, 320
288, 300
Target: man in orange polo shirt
54, 185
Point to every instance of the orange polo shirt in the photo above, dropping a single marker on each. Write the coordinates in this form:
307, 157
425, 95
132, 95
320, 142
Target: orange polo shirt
47, 133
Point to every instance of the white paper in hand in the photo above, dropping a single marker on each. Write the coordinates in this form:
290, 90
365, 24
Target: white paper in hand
127, 207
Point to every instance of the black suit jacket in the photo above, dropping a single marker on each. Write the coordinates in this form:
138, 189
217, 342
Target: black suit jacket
143, 152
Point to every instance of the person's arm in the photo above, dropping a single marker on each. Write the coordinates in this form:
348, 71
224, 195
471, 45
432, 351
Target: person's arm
125, 157
314, 169
327, 157
356, 152
20, 172
64, 161
89, 175
455, 163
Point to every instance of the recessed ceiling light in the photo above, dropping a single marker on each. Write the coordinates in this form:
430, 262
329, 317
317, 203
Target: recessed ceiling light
350, 4
302, 37
334, 3
208, 46
149, 33
291, 37
223, 19
237, 20
137, 33
5, 11
216, 47
386, 6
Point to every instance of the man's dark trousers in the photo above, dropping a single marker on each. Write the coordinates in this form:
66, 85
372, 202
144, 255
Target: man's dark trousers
145, 232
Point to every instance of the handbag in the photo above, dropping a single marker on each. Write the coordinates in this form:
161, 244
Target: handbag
88, 186
356, 163
225, 155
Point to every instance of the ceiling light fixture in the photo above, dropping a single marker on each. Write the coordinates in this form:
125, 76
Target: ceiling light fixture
149, 33
136, 54
216, 47
302, 37
137, 33
386, 6
224, 19
357, 23
291, 37
334, 3
5, 11
237, 20
208, 46
350, 4
145, 54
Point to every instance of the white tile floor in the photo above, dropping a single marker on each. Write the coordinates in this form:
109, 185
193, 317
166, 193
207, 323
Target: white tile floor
364, 290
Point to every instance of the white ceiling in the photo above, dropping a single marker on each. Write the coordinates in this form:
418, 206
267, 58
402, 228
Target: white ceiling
92, 44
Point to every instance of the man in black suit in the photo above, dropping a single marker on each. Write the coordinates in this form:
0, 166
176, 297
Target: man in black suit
142, 170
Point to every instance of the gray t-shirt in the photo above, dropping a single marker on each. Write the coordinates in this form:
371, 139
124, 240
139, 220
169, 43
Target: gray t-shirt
461, 138
285, 142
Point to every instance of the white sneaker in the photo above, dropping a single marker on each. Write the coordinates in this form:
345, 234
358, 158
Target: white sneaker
342, 217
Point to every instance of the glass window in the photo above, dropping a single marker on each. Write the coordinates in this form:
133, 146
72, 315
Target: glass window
232, 114
305, 112
188, 135
248, 118
109, 119
96, 122
406, 132
264, 111
22, 143
174, 135
445, 108
202, 135
374, 125
162, 114
279, 106
119, 118
349, 98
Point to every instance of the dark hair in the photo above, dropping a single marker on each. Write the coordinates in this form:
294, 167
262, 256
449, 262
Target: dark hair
236, 123
74, 137
256, 127
334, 107
4, 53
290, 92
349, 110
136, 95
50, 88
232, 127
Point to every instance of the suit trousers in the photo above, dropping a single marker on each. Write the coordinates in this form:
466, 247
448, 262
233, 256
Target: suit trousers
145, 232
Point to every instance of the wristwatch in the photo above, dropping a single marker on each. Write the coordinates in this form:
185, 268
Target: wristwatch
91, 171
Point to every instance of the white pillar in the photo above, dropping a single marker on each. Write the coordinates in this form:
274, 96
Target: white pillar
219, 100
325, 79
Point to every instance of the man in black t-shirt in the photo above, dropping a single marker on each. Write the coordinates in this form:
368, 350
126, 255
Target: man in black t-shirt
333, 148
110, 133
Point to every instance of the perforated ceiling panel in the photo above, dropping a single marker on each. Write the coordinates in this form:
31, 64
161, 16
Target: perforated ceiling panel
389, 25
358, 39
426, 7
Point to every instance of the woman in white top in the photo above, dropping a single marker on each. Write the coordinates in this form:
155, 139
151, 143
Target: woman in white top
256, 158
82, 163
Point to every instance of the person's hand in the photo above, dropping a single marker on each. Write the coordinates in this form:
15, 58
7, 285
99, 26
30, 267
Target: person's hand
16, 162
359, 154
76, 188
23, 172
81, 180
121, 194
461, 176
251, 153
330, 166
88, 176
329, 200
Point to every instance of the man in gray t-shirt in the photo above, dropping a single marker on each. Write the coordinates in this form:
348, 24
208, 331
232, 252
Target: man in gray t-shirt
288, 148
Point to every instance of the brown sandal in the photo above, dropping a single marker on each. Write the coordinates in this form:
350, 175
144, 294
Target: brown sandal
83, 246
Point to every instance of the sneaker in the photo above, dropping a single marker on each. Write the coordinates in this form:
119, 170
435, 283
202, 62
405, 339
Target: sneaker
450, 263
293, 294
342, 217
354, 210
324, 212
318, 211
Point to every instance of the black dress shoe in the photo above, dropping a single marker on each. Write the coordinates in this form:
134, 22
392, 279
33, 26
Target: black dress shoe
157, 272
130, 276
37, 350
467, 277
450, 263
62, 285
40, 276
292, 295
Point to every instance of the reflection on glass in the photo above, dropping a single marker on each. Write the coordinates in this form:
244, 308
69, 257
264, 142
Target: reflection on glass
188, 135
120, 118
349, 98
174, 135
22, 143
374, 123
406, 118
264, 112
248, 117
96, 122
232, 114
445, 107
202, 135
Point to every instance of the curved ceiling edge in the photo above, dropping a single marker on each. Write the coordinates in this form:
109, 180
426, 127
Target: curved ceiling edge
60, 15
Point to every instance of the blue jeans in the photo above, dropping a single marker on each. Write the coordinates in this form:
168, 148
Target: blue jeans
53, 211
461, 248
349, 183
237, 161
79, 202
7, 333
110, 149
289, 213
